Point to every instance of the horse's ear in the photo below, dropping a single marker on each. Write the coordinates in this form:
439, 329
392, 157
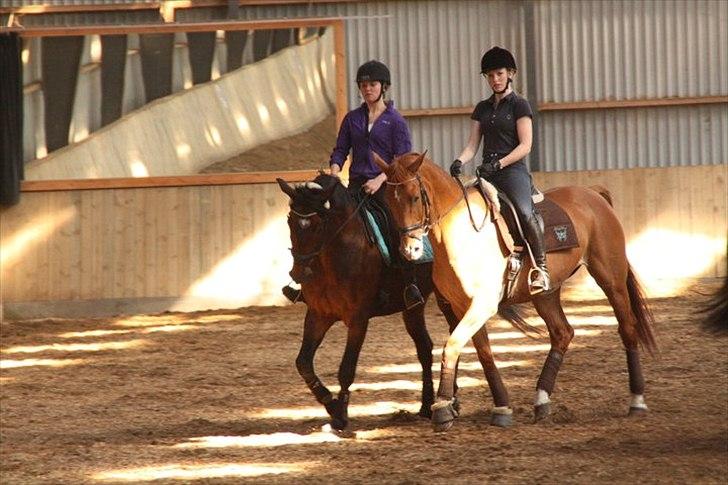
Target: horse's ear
379, 161
287, 189
415, 166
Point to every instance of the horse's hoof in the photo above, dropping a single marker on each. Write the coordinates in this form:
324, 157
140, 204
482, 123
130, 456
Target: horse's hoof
637, 412
443, 415
442, 427
339, 424
501, 417
425, 412
541, 412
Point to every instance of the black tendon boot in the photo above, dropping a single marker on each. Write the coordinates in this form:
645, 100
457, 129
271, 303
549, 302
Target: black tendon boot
539, 280
293, 294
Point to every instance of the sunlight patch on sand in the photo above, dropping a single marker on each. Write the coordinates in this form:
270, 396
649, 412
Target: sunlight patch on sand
148, 330
181, 471
121, 345
258, 440
375, 409
416, 368
15, 364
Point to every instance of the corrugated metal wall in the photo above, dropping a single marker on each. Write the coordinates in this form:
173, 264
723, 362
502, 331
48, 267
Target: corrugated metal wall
586, 51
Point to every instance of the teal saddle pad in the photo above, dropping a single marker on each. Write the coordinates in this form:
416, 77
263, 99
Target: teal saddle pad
384, 249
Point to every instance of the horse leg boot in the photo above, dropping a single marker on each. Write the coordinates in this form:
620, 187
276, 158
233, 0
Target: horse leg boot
561, 333
539, 280
340, 406
313, 334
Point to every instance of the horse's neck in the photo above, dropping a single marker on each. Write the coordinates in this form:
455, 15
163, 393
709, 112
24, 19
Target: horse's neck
446, 192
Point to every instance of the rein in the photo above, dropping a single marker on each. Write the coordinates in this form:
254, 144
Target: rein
426, 223
301, 258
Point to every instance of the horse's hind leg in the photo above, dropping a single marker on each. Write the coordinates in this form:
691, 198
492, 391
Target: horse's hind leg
314, 329
357, 330
549, 309
615, 281
414, 321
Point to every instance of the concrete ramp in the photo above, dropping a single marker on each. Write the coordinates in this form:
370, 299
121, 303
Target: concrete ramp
181, 134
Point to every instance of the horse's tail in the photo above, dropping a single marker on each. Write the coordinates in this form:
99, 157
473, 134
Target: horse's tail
512, 314
644, 318
716, 311
604, 192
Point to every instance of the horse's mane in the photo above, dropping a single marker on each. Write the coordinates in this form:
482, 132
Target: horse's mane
311, 198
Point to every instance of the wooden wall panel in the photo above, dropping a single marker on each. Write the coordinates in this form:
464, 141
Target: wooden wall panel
159, 242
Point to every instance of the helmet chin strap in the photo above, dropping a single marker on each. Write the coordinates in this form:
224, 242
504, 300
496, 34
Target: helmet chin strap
510, 80
381, 93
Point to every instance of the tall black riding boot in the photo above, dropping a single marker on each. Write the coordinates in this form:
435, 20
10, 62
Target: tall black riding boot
539, 280
412, 295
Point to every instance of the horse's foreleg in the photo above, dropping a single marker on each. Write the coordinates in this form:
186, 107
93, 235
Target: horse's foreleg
443, 411
414, 322
549, 309
314, 329
502, 414
357, 330
452, 322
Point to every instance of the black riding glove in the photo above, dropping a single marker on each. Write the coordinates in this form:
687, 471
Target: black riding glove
456, 168
488, 168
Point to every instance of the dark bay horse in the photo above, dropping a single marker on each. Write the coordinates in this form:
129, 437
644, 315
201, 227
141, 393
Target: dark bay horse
469, 267
343, 277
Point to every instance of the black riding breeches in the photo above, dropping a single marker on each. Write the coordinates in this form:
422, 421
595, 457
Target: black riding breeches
515, 181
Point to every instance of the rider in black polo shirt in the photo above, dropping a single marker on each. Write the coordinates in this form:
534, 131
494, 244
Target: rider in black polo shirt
504, 123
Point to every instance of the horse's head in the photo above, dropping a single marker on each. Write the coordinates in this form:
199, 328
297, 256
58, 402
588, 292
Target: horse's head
408, 201
312, 205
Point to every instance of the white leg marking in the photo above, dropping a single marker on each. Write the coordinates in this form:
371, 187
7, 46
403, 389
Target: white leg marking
542, 397
502, 410
638, 401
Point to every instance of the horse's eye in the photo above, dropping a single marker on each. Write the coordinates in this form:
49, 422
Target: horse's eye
415, 199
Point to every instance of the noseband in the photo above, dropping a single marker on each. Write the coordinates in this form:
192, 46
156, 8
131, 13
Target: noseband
426, 223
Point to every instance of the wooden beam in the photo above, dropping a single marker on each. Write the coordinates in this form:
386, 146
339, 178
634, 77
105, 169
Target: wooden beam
173, 28
454, 111
340, 66
579, 105
632, 103
172, 181
153, 5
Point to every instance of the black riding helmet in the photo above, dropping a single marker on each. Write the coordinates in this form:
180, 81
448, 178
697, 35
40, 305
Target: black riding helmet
496, 58
374, 71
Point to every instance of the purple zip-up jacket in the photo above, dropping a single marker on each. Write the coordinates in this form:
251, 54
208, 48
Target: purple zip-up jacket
389, 137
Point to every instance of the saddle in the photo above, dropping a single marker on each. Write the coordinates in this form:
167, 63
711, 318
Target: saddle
557, 227
380, 231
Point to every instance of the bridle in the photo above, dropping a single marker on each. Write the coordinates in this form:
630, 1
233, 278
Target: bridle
302, 258
426, 223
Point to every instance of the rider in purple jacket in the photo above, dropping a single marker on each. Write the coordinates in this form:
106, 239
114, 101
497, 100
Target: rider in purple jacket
375, 126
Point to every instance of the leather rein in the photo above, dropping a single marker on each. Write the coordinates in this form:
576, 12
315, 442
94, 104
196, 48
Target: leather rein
426, 223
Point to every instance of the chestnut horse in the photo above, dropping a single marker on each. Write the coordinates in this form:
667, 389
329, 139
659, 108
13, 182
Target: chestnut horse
469, 268
343, 277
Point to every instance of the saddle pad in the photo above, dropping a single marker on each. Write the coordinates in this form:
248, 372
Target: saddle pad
384, 249
558, 229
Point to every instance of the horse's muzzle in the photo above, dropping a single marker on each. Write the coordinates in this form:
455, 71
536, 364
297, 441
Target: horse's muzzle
301, 274
411, 249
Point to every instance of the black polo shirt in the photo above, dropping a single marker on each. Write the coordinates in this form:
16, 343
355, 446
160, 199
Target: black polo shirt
498, 124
